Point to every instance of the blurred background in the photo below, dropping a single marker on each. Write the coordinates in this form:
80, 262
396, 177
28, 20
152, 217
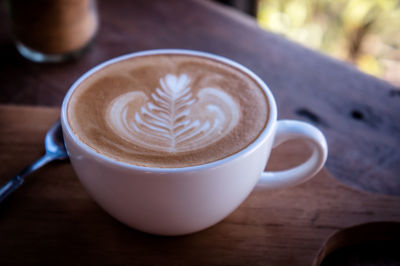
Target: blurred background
365, 33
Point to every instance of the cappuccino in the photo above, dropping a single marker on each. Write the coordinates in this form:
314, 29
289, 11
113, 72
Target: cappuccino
168, 110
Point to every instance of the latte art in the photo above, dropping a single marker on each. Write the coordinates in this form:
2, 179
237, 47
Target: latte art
168, 120
168, 110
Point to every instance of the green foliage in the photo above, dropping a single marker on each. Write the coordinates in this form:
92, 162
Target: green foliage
364, 32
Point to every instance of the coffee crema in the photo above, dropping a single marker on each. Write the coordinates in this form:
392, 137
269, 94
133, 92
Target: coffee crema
168, 110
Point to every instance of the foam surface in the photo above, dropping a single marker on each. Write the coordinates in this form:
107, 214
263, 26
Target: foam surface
168, 110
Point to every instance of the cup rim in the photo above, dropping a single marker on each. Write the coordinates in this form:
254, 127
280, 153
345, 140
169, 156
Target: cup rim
265, 133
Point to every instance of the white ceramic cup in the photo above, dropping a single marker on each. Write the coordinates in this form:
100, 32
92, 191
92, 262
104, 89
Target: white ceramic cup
176, 201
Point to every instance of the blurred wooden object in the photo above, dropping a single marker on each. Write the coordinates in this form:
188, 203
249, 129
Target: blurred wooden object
247, 6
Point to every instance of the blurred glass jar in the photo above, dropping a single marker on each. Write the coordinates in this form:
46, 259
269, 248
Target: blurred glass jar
53, 30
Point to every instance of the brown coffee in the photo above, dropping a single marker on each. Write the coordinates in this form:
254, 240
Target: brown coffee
168, 110
53, 26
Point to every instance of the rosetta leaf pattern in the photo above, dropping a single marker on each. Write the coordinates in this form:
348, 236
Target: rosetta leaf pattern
167, 120
167, 114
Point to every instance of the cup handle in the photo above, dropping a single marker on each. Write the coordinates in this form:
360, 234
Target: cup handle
289, 130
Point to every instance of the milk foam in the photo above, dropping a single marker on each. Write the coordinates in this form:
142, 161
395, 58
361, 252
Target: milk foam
168, 110
168, 122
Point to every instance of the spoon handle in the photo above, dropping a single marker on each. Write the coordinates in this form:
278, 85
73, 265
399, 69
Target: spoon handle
12, 184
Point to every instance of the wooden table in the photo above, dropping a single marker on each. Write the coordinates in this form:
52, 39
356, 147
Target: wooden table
359, 114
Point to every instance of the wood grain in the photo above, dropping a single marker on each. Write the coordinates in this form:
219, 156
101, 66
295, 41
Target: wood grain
51, 220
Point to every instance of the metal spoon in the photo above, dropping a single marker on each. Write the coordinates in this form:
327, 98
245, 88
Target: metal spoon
55, 150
